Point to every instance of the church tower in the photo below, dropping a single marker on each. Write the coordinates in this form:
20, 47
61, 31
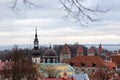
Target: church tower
100, 50
65, 53
80, 51
35, 51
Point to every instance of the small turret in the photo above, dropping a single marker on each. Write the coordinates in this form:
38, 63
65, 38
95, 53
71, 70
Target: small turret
100, 50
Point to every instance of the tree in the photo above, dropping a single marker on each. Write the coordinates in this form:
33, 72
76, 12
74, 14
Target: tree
74, 8
19, 67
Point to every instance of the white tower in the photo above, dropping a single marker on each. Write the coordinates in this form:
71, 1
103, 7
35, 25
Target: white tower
36, 52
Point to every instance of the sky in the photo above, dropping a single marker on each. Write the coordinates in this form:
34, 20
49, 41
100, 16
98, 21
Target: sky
49, 17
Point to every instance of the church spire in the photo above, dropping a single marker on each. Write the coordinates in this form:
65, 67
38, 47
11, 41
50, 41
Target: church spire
36, 42
100, 50
36, 32
50, 46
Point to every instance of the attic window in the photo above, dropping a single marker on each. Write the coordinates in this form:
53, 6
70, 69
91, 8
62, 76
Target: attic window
93, 64
82, 64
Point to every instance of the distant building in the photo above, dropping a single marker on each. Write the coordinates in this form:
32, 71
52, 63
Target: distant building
65, 53
115, 52
80, 51
91, 51
89, 64
49, 56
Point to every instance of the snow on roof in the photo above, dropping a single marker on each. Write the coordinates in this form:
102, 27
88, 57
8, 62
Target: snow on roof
81, 76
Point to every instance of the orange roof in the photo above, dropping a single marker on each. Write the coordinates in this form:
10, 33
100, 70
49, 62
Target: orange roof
116, 59
110, 65
79, 50
91, 50
65, 50
88, 61
100, 49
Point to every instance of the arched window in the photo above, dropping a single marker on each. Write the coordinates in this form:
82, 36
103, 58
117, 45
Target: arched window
53, 60
35, 60
48, 60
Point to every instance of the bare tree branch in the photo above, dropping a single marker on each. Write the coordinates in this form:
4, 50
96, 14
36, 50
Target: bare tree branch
15, 4
75, 10
79, 12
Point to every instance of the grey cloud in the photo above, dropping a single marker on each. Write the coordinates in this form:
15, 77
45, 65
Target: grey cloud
19, 28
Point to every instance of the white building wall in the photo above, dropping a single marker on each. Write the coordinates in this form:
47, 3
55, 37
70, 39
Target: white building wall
36, 60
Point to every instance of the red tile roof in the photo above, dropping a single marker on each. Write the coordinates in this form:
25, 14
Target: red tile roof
100, 50
80, 50
65, 50
110, 65
88, 61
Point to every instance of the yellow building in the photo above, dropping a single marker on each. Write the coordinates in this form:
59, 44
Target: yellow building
56, 70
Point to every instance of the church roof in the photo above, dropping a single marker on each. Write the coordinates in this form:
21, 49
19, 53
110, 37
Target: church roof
100, 50
79, 50
65, 50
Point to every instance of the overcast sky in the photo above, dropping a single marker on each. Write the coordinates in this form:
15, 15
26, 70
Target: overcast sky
19, 28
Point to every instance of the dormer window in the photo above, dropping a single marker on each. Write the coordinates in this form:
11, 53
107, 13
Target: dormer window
93, 64
82, 64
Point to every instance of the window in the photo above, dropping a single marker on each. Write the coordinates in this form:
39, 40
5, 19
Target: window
36, 60
82, 64
93, 64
